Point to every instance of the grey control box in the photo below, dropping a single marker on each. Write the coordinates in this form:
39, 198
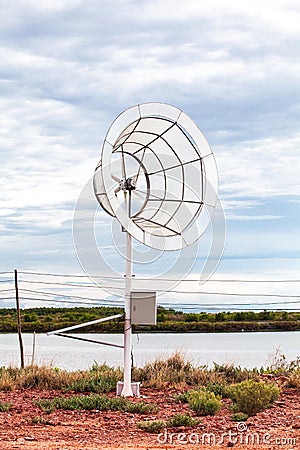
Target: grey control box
143, 307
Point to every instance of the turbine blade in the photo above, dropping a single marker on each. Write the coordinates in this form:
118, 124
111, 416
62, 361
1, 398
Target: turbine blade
125, 200
140, 165
123, 165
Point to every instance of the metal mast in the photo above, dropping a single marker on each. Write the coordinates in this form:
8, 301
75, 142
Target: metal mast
127, 390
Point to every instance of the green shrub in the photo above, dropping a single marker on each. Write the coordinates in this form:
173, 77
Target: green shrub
5, 406
204, 403
98, 384
239, 417
251, 397
182, 398
139, 407
100, 403
99, 379
219, 389
181, 420
151, 426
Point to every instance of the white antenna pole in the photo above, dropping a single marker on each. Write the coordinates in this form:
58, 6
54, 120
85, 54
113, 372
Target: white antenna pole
127, 389
117, 180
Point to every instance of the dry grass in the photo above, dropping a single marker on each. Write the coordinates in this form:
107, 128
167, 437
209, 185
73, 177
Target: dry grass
293, 380
45, 377
6, 382
174, 372
177, 372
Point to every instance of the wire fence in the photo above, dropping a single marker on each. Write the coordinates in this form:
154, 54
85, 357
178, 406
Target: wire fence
77, 289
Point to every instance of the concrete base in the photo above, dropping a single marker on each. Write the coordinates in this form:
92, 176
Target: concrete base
135, 386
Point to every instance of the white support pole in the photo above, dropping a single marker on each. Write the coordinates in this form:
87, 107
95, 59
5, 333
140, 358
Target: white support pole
127, 389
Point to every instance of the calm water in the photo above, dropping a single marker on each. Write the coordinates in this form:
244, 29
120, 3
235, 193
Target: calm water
245, 349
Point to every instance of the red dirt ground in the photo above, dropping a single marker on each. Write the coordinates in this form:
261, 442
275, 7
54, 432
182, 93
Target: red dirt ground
276, 428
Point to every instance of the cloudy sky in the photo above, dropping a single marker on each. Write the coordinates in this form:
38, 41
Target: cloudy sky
69, 67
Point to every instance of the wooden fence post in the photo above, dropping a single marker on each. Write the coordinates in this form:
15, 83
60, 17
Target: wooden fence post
19, 320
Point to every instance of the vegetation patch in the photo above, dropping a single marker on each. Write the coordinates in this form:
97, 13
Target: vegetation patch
293, 380
177, 421
279, 365
40, 420
219, 389
36, 377
234, 374
5, 406
42, 320
182, 398
182, 420
97, 402
100, 379
7, 383
239, 417
152, 426
172, 370
204, 403
251, 397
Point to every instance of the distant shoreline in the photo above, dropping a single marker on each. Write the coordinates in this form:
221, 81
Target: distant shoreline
43, 320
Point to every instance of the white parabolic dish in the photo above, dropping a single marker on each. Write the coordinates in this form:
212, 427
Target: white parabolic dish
157, 175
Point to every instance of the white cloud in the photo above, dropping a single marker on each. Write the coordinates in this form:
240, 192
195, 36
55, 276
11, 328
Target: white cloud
250, 218
68, 68
260, 168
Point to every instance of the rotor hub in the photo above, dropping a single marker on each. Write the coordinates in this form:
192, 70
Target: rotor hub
127, 184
